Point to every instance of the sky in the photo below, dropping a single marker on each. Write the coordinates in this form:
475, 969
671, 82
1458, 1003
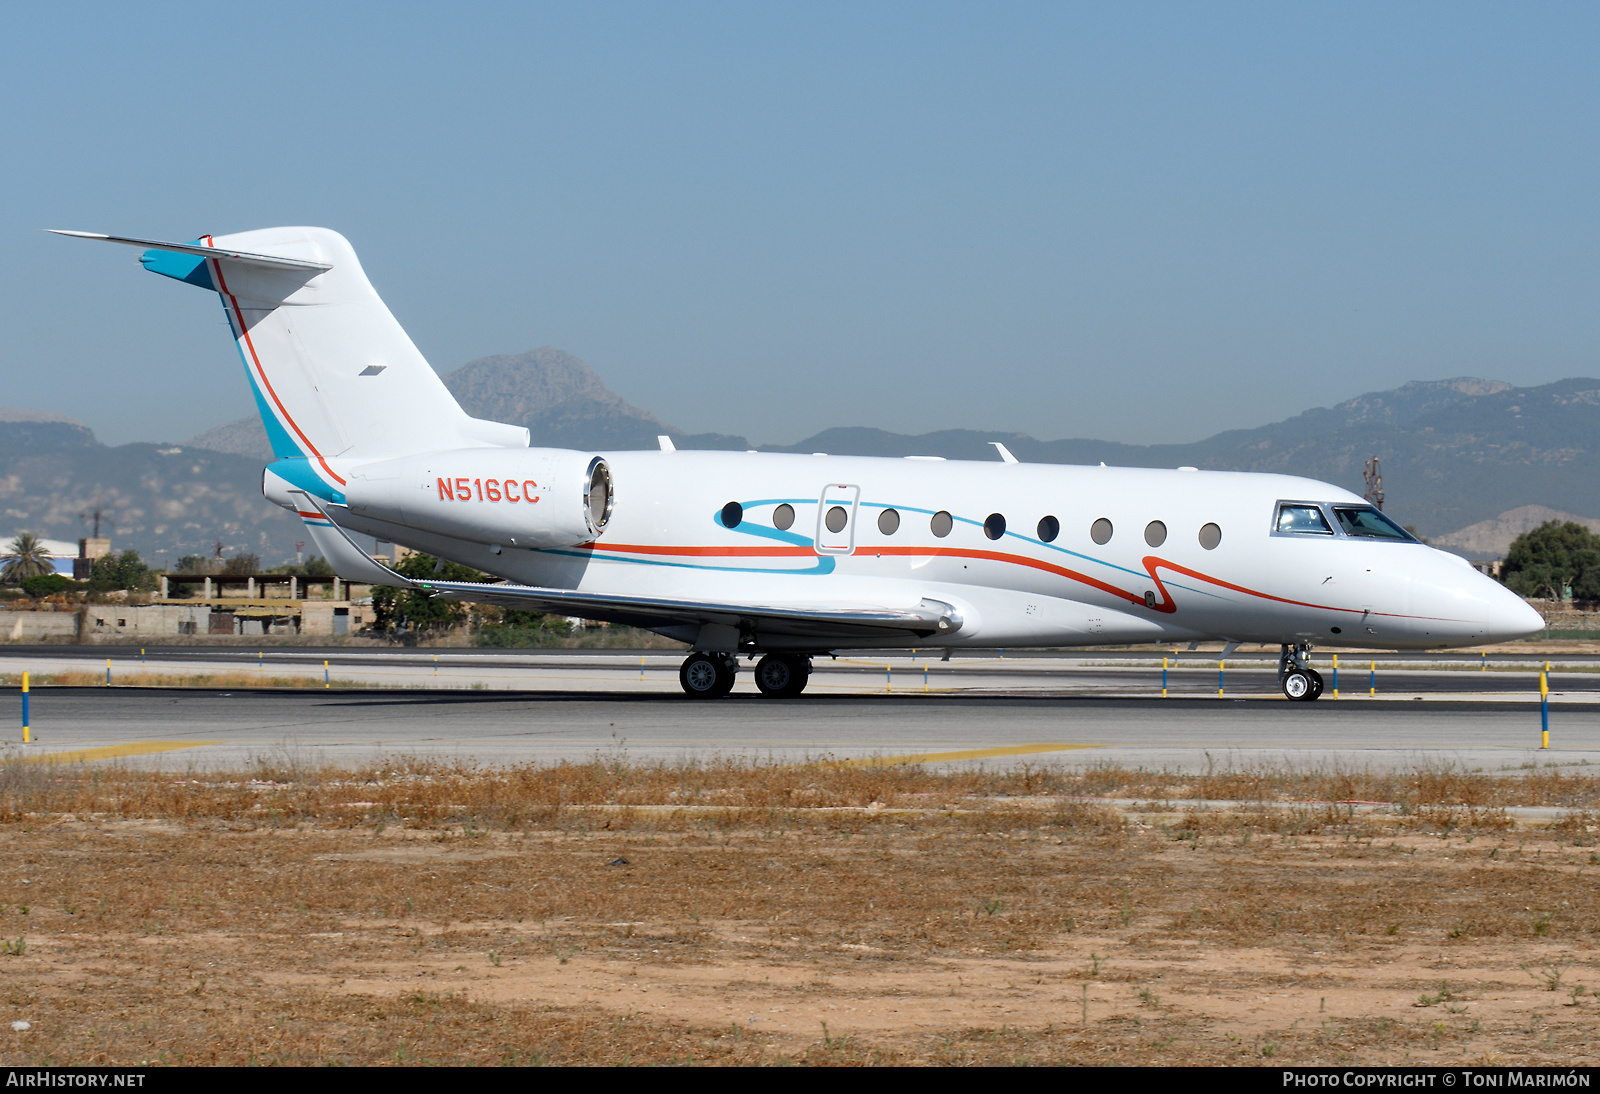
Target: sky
1137, 222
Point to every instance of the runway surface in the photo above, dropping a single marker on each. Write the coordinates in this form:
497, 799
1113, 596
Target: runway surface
538, 706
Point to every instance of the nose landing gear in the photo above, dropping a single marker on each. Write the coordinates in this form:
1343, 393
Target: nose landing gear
1299, 680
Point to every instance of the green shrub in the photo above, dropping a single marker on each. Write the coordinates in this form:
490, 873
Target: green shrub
47, 585
124, 571
1553, 557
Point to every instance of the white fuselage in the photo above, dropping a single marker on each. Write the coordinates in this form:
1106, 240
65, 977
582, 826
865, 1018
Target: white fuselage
666, 538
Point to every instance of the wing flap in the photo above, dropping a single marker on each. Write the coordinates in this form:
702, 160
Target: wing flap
930, 617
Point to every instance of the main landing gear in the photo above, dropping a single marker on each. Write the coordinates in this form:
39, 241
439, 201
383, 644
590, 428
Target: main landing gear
708, 675
1300, 681
782, 675
711, 675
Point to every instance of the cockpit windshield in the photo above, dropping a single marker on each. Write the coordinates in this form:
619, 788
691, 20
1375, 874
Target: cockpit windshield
1302, 519
1369, 524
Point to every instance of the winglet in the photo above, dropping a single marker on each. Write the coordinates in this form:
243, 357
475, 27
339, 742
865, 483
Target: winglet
1005, 453
666, 443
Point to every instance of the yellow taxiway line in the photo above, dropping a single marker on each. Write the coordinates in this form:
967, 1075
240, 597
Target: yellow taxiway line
112, 752
948, 757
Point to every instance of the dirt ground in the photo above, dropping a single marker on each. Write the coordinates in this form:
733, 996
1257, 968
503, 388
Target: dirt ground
602, 914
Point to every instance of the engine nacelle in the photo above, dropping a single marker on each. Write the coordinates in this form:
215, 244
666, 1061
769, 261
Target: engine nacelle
526, 497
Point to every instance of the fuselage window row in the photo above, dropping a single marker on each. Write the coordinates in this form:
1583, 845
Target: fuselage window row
1297, 518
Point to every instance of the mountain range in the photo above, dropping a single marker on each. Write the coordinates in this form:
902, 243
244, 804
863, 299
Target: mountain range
1467, 462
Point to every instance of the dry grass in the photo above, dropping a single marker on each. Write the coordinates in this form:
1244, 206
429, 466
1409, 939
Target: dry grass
611, 912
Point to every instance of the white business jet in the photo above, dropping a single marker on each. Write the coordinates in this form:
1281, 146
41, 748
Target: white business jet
786, 556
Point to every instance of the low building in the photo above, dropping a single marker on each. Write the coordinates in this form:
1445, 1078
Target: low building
265, 604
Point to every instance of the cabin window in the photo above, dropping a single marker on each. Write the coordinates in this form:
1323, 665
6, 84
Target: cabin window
1100, 531
836, 519
994, 526
783, 517
1155, 533
888, 522
1210, 536
1049, 529
1300, 519
1369, 524
732, 515
941, 524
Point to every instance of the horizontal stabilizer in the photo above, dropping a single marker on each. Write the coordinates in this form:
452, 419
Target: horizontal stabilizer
275, 262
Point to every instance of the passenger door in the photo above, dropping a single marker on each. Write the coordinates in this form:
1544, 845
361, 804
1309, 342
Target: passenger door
836, 519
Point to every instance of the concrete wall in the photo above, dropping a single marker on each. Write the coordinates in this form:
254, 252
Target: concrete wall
122, 619
31, 626
190, 620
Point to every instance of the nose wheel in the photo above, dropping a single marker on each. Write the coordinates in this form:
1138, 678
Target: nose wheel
782, 676
1302, 685
1300, 681
707, 675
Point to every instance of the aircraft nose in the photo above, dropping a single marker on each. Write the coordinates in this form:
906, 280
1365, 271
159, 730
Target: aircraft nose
1509, 617
1522, 618
1466, 607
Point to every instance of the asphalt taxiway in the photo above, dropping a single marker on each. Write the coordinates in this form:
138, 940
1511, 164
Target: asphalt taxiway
541, 706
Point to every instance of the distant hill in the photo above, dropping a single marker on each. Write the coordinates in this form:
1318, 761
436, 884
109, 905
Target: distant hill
26, 431
564, 404
240, 437
1455, 453
557, 396
163, 501
1492, 538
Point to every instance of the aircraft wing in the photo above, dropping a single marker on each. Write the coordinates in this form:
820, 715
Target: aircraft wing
929, 618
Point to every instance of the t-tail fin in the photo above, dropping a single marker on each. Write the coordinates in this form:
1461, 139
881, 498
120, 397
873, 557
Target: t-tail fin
334, 375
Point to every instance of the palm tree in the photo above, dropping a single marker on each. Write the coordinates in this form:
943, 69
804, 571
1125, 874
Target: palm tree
26, 558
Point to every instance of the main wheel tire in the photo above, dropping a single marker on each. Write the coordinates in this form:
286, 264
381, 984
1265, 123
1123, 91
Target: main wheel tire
705, 676
728, 672
782, 676
1316, 685
1297, 685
